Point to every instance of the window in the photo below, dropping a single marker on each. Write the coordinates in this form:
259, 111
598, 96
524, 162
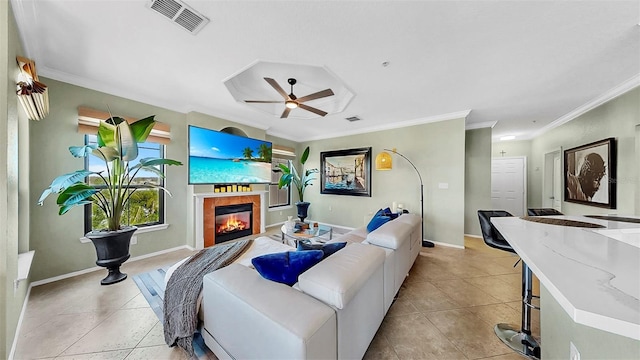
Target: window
278, 197
146, 205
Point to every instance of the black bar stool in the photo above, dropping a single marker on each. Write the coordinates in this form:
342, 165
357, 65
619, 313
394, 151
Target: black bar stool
543, 212
521, 340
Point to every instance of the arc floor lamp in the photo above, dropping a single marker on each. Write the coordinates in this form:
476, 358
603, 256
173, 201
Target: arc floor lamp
385, 162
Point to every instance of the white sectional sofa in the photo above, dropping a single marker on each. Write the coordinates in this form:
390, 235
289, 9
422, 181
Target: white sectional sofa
332, 312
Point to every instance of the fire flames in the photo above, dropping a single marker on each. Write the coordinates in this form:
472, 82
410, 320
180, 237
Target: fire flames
232, 224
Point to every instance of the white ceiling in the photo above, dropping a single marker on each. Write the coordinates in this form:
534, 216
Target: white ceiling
523, 65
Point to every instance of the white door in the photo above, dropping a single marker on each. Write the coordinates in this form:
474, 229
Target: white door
557, 183
508, 185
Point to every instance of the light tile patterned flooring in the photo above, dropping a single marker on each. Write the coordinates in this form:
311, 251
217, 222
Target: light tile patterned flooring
446, 309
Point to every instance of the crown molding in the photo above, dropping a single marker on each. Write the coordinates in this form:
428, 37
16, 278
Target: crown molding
399, 125
481, 125
618, 90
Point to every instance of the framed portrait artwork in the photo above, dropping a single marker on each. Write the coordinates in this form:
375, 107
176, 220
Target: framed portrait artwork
590, 174
346, 172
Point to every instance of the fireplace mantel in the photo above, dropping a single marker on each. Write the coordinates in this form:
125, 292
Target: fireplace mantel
199, 211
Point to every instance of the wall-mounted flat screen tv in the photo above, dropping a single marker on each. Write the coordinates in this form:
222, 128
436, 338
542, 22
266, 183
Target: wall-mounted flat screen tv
216, 157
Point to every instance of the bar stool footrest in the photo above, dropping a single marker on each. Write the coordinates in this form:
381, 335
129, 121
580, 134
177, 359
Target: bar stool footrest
522, 343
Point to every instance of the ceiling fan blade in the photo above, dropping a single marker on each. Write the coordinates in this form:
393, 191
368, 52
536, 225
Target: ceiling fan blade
318, 95
312, 109
285, 113
275, 85
264, 101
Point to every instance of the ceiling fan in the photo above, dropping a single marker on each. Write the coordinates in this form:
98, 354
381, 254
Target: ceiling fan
291, 101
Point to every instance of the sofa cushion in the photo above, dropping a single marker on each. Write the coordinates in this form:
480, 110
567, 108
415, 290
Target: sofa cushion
285, 267
336, 280
327, 249
391, 235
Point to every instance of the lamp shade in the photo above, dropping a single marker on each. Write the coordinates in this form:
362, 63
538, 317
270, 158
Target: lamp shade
384, 161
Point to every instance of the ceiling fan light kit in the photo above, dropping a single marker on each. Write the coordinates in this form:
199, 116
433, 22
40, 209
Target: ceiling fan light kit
247, 88
291, 101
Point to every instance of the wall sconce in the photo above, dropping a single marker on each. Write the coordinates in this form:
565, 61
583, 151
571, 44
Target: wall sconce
33, 95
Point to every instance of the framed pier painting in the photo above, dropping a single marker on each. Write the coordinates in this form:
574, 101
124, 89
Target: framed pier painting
346, 172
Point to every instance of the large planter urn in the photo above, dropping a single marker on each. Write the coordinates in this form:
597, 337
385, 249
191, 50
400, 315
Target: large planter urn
112, 250
303, 208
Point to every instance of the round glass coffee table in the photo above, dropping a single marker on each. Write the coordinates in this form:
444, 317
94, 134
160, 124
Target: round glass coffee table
313, 235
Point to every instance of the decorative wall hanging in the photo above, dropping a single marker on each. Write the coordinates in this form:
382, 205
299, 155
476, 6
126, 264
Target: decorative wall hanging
590, 174
346, 172
33, 95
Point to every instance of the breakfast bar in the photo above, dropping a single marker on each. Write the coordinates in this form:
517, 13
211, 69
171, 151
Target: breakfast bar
592, 274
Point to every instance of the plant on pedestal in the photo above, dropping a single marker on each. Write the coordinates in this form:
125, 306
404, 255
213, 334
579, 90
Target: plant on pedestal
290, 175
117, 146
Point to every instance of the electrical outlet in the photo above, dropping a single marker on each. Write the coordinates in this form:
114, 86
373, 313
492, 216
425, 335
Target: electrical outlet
574, 354
280, 212
134, 240
330, 208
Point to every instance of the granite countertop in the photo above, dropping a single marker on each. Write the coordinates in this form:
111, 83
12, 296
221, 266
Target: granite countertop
593, 273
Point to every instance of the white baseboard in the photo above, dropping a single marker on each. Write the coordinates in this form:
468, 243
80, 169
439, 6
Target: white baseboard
15, 337
473, 236
448, 245
96, 268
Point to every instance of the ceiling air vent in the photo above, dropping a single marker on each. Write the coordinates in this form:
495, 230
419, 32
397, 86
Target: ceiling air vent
353, 118
180, 13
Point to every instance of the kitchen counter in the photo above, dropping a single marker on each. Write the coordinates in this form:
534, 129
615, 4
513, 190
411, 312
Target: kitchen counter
594, 274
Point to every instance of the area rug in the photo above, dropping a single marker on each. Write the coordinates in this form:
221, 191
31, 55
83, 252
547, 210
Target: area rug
151, 285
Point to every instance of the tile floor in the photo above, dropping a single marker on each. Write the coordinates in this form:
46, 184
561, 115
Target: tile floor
446, 309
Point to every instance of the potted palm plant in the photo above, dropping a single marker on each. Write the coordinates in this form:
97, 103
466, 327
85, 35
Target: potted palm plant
290, 175
117, 146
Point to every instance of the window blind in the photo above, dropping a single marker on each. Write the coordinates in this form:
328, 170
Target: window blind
89, 121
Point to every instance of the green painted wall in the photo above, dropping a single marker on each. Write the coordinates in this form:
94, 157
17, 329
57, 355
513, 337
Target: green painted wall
617, 118
511, 148
477, 183
14, 219
279, 215
56, 238
436, 149
558, 330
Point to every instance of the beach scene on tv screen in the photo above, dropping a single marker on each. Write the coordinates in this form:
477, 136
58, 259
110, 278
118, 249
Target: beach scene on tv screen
220, 158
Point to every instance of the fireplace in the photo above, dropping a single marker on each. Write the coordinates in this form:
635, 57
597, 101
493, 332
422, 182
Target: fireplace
205, 205
232, 222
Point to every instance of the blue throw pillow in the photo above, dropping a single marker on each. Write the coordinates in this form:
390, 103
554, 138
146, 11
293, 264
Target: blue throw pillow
381, 212
377, 221
327, 249
392, 215
285, 267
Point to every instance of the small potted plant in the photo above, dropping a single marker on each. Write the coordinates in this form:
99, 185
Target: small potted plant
290, 175
117, 146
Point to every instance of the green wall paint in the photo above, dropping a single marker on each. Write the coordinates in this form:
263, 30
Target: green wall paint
56, 238
558, 330
618, 119
279, 215
477, 182
14, 187
511, 148
436, 149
